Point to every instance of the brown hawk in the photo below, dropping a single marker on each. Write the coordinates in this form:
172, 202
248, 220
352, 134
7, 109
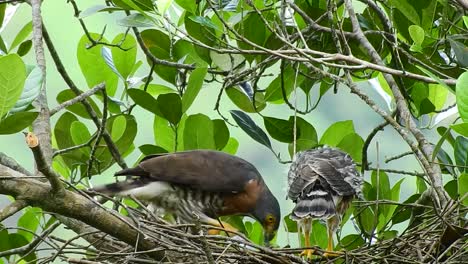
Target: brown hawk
322, 182
202, 182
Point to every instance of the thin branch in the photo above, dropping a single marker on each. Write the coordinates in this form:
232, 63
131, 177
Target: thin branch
78, 98
12, 164
380, 127
12, 209
404, 154
41, 126
43, 165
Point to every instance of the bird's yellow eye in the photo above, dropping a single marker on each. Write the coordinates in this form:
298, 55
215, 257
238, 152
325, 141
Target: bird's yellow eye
270, 219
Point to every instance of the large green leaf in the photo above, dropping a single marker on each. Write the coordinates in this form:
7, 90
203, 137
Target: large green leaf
159, 44
241, 100
144, 100
249, 126
22, 35
463, 187
306, 135
29, 221
16, 122
336, 132
352, 144
221, 133
80, 135
78, 108
149, 149
461, 153
32, 87
279, 129
170, 107
12, 78
231, 146
124, 57
198, 133
64, 140
93, 65
462, 96
164, 134
188, 5
194, 86
461, 129
274, 91
461, 52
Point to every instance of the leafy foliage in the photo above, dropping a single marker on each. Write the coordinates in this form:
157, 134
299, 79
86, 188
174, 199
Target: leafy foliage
289, 55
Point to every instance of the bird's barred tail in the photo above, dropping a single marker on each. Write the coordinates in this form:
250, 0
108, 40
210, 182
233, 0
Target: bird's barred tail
118, 188
315, 204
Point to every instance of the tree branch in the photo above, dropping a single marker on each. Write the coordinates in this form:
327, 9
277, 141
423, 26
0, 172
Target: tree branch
42, 164
78, 98
74, 206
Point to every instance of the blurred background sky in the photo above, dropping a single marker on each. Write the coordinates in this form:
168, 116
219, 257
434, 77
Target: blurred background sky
66, 32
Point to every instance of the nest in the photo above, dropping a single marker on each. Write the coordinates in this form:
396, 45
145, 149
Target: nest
431, 238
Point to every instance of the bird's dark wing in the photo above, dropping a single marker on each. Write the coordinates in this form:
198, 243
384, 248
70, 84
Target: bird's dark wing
319, 179
332, 168
206, 170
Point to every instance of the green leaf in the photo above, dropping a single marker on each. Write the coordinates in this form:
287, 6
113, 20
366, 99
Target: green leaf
403, 212
170, 106
279, 129
274, 91
96, 9
188, 5
107, 55
461, 153
149, 149
241, 100
77, 108
351, 242
435, 78
451, 188
21, 36
163, 5
352, 144
30, 221
93, 65
461, 129
420, 185
336, 132
24, 48
291, 225
319, 234
249, 126
124, 57
16, 122
135, 20
156, 89
124, 143
32, 87
306, 135
80, 135
144, 100
198, 133
118, 127
254, 232
437, 95
461, 52
231, 146
194, 86
462, 96
382, 184
64, 140
164, 135
463, 187
221, 133
408, 10
465, 20
204, 21
417, 34
12, 78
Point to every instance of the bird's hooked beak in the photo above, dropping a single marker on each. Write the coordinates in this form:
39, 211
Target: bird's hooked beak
268, 235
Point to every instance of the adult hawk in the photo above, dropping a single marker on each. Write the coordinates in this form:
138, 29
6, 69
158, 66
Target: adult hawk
202, 182
322, 182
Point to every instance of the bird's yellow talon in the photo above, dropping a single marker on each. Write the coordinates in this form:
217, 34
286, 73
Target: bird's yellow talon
332, 254
307, 253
